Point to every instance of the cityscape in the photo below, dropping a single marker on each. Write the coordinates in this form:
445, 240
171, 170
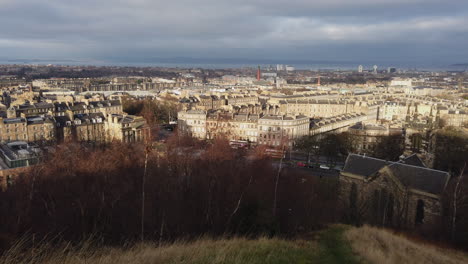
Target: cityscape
246, 133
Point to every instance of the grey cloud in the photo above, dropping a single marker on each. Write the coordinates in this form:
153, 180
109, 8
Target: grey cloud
223, 28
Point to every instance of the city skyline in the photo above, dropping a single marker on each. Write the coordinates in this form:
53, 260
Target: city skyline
422, 32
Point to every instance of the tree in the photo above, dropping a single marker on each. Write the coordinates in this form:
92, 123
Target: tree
334, 146
460, 200
389, 147
450, 149
310, 145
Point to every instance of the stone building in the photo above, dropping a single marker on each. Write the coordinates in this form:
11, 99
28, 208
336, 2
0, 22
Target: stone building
41, 129
455, 118
278, 130
246, 127
397, 110
404, 193
105, 107
193, 122
7, 176
64, 129
89, 127
325, 108
210, 102
424, 90
337, 124
13, 129
242, 100
220, 124
38, 109
65, 108
31, 129
366, 137
272, 130
246, 109
126, 128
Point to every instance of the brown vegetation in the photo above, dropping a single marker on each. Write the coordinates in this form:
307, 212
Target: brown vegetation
235, 251
381, 246
191, 189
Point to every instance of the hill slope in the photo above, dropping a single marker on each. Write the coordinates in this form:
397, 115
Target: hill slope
338, 244
381, 246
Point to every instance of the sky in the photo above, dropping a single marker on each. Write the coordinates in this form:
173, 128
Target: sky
423, 31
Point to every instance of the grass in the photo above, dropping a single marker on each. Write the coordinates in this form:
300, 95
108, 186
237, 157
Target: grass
376, 245
334, 248
237, 250
336, 244
328, 246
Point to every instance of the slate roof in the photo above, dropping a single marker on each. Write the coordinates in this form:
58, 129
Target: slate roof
62, 120
416, 177
424, 179
362, 165
413, 160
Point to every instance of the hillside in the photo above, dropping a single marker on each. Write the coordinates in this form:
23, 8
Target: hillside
368, 245
383, 247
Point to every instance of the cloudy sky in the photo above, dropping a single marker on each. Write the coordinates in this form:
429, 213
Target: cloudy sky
336, 30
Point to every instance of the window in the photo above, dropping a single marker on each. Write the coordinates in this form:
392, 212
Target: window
419, 212
353, 196
9, 180
391, 204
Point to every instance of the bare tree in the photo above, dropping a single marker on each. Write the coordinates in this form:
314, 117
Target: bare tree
456, 200
148, 148
275, 199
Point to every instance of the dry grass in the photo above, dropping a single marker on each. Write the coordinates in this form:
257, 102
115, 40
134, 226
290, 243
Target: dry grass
236, 250
381, 246
335, 245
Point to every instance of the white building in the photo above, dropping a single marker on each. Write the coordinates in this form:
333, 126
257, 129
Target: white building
401, 82
193, 122
276, 130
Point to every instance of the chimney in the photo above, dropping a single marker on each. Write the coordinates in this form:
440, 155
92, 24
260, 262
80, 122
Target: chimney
258, 73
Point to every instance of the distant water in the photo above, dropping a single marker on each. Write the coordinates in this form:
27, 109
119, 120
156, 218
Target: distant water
251, 63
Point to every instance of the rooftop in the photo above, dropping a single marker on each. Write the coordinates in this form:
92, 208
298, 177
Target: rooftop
416, 177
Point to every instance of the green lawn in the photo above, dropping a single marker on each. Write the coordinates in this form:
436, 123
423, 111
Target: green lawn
327, 247
334, 248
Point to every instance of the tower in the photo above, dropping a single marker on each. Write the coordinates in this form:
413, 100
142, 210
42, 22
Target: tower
375, 68
258, 73
360, 68
318, 81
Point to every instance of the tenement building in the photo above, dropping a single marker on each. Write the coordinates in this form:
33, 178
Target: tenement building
327, 107
59, 109
126, 128
91, 127
193, 122
336, 124
31, 129
366, 137
282, 130
403, 193
272, 130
